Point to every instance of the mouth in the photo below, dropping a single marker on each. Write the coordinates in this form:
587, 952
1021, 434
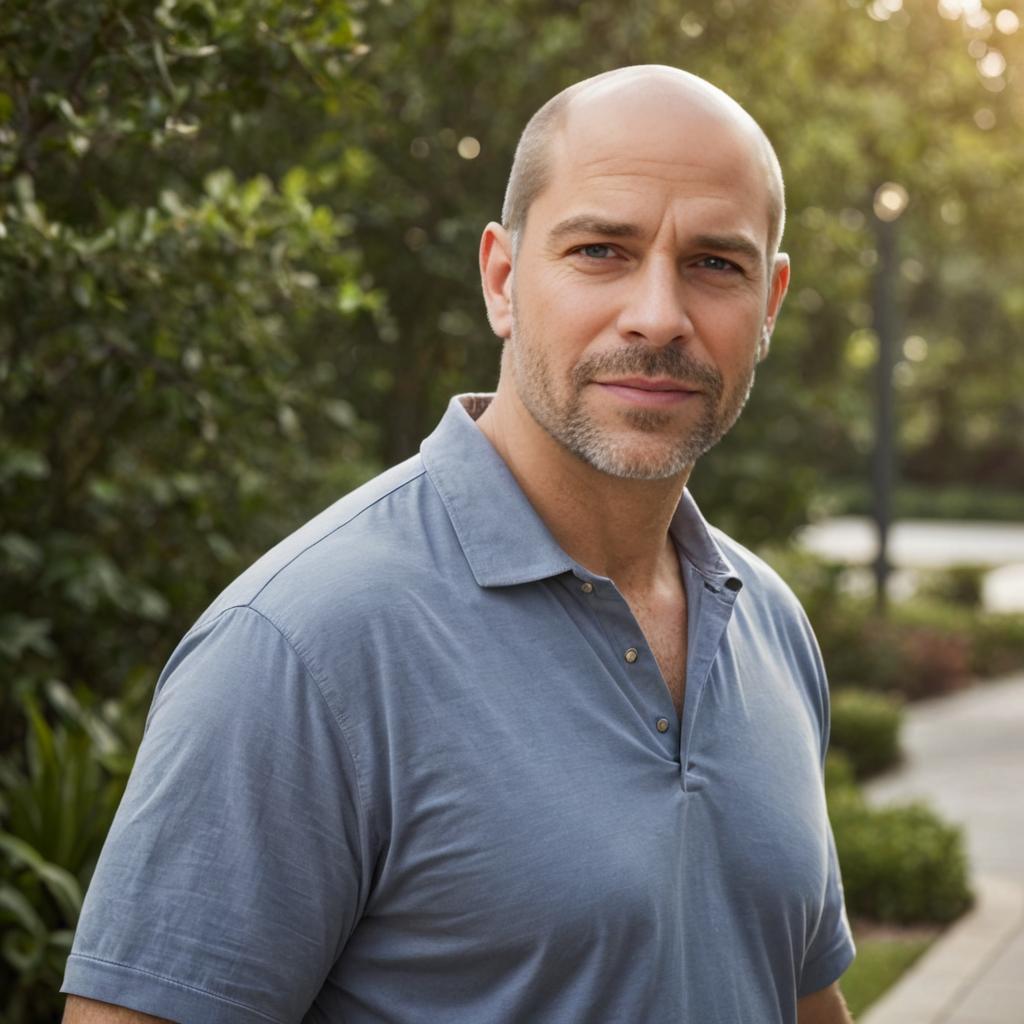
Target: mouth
650, 391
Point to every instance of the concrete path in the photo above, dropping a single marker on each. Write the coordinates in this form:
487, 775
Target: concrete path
916, 544
965, 756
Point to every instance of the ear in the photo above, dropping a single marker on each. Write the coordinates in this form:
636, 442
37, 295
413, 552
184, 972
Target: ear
496, 278
776, 293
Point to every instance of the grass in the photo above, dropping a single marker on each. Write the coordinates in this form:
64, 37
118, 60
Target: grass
883, 955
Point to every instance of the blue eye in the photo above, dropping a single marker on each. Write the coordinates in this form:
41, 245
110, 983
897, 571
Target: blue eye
595, 251
718, 263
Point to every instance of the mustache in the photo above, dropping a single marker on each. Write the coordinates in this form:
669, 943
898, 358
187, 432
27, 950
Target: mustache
670, 361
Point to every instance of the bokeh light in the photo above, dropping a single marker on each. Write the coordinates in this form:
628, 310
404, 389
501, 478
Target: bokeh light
469, 148
890, 201
1007, 21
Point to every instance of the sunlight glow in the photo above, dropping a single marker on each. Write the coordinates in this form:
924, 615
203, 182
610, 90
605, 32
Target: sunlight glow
972, 11
890, 201
915, 348
691, 26
992, 65
1007, 22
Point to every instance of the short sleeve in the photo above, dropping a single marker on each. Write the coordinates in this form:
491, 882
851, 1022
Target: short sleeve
235, 869
831, 950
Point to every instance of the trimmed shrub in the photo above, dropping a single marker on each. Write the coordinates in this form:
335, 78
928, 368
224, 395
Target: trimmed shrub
866, 728
959, 585
899, 864
998, 644
839, 774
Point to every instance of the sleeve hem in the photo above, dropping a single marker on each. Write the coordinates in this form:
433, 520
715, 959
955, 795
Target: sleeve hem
826, 969
138, 989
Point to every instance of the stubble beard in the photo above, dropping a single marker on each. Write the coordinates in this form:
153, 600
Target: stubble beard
617, 451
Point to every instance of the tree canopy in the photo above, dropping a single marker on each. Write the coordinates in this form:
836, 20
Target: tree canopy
237, 265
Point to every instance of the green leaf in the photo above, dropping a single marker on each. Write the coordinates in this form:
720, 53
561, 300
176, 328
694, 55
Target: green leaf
17, 908
61, 884
20, 635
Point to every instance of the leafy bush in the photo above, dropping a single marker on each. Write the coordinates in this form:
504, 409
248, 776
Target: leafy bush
866, 727
899, 864
959, 585
998, 644
922, 648
57, 803
839, 774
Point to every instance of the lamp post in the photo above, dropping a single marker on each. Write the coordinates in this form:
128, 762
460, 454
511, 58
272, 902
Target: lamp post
890, 201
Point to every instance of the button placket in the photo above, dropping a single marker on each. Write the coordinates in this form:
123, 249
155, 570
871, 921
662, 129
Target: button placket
638, 670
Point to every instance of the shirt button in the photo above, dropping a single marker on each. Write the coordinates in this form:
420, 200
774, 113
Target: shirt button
587, 588
631, 654
661, 725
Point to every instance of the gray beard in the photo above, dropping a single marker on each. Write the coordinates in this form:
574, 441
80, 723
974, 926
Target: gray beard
569, 425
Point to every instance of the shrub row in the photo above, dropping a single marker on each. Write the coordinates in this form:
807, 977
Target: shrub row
934, 644
866, 728
900, 864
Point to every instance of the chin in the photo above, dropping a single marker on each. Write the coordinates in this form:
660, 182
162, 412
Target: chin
635, 460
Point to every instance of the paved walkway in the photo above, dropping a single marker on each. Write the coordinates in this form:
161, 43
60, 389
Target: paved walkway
965, 756
916, 544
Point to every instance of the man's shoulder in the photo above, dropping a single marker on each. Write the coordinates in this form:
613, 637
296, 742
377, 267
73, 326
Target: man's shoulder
755, 572
768, 607
394, 526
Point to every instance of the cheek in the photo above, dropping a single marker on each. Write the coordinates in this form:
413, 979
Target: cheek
731, 334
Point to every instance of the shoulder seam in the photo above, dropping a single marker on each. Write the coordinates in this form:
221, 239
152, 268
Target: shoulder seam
320, 684
309, 547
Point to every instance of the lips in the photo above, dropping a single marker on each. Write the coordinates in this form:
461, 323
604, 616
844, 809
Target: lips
647, 384
648, 391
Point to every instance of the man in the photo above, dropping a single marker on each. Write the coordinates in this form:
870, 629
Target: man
508, 734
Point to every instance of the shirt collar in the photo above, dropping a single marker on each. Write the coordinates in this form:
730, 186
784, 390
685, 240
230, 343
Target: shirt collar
502, 537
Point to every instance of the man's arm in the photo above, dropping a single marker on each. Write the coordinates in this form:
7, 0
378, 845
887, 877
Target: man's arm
88, 1011
253, 888
824, 1007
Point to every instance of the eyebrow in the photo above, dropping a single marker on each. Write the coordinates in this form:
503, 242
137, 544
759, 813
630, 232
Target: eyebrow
585, 224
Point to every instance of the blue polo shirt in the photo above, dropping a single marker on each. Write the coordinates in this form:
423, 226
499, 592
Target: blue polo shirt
418, 765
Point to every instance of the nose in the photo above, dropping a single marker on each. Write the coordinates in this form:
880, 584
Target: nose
654, 310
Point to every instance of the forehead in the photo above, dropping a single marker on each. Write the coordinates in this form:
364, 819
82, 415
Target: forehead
647, 156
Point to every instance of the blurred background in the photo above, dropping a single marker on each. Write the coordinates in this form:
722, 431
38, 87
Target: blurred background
238, 277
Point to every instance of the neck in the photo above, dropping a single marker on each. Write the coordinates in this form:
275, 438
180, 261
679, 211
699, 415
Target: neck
614, 527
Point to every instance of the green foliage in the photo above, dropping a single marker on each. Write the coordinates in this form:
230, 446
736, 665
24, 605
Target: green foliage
55, 811
912, 501
998, 644
166, 275
866, 728
960, 585
899, 864
839, 773
923, 647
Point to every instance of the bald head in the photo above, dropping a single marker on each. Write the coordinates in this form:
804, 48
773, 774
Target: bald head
625, 93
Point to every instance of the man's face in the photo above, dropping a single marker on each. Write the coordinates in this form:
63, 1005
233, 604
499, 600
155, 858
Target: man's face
640, 291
